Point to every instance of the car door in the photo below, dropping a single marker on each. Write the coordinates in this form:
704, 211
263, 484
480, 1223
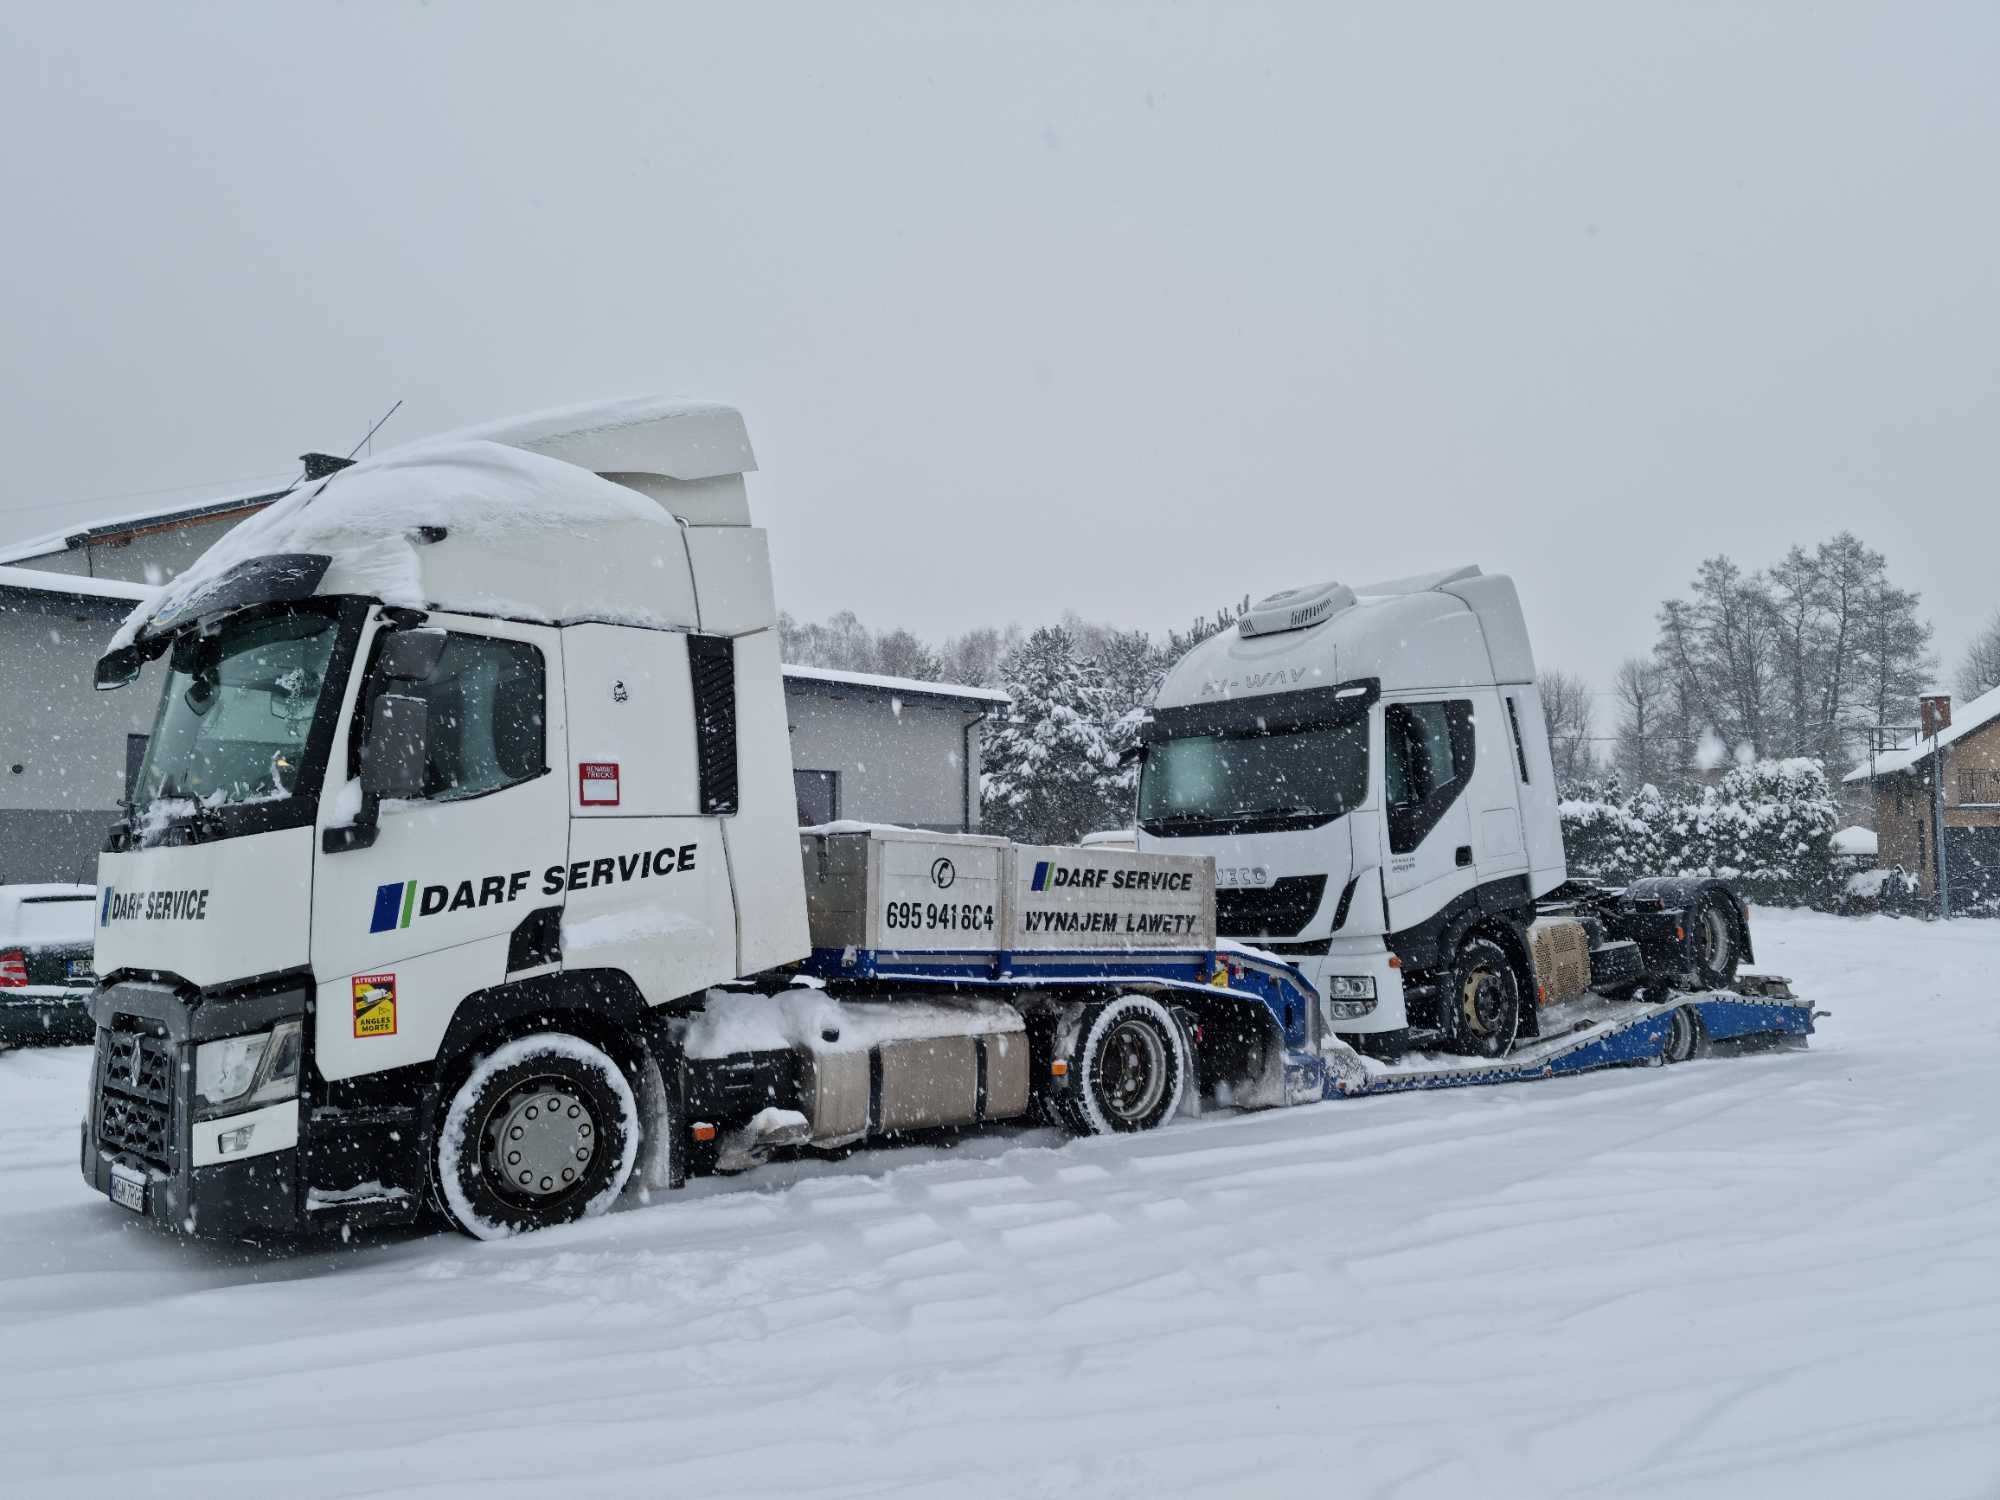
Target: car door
438, 905
1427, 766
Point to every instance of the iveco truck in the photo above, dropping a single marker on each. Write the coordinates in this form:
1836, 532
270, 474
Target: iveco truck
1370, 770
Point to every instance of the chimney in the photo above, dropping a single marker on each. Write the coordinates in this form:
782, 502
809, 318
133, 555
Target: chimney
1935, 714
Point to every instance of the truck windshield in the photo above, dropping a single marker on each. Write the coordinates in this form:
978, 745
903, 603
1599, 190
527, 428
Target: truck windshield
1250, 782
237, 709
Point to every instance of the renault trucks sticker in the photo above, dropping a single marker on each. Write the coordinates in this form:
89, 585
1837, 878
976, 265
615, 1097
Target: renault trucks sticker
152, 906
597, 783
374, 1004
400, 902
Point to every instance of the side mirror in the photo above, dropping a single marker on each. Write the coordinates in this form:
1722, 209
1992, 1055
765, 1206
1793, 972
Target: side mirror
392, 757
409, 655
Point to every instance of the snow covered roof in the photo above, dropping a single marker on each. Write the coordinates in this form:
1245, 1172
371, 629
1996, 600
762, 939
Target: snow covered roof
1967, 717
40, 581
179, 512
909, 686
1856, 841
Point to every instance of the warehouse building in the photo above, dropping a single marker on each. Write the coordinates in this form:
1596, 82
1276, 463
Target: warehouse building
873, 749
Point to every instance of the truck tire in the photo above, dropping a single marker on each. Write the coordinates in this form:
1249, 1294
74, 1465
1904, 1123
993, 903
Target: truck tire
1683, 1035
1127, 1071
1716, 951
1479, 1011
542, 1131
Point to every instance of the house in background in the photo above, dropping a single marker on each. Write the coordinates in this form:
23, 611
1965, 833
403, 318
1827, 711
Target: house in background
876, 749
1902, 781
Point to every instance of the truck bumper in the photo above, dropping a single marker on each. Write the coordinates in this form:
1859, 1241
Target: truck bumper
255, 1197
1364, 958
141, 1144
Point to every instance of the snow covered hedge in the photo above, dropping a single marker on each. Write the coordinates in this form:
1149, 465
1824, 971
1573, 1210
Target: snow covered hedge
1768, 826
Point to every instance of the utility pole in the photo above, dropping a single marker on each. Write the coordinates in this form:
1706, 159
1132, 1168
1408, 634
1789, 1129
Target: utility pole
1936, 715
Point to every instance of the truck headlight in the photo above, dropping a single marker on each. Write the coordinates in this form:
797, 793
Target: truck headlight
1350, 987
243, 1072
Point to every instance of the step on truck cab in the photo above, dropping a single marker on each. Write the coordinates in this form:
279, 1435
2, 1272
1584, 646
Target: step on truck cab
1370, 770
463, 871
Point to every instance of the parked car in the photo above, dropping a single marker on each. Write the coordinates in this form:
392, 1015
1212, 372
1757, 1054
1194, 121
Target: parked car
47, 935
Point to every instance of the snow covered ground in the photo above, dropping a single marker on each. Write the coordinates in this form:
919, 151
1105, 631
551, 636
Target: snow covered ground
1773, 1275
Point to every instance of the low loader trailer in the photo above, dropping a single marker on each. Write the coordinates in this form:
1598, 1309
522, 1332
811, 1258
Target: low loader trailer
462, 881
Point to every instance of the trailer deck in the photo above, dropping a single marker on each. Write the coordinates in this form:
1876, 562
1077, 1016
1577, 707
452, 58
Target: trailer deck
1578, 1036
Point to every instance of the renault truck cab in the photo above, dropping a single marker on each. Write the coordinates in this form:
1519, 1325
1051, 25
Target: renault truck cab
1370, 770
446, 741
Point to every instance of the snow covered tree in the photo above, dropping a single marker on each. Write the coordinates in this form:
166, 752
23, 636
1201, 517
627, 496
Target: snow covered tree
1050, 773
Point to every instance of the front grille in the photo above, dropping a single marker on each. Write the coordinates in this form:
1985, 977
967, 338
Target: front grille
135, 1094
1276, 910
135, 1125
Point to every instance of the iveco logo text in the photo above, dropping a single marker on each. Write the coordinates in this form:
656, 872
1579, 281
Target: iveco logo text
400, 900
1241, 877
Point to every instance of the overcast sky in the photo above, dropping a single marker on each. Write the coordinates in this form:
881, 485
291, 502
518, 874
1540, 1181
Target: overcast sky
1126, 309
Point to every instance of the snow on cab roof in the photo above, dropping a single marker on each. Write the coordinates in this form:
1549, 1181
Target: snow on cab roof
915, 687
1975, 713
513, 518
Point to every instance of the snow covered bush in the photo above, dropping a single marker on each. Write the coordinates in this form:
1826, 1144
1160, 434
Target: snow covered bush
1768, 826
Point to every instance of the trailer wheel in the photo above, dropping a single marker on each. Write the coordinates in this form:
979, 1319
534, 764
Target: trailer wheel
1716, 951
1683, 1035
543, 1131
1128, 1070
1481, 1009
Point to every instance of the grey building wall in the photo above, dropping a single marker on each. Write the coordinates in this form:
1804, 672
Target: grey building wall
62, 743
898, 758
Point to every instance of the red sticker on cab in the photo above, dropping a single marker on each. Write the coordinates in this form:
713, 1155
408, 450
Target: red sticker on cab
597, 783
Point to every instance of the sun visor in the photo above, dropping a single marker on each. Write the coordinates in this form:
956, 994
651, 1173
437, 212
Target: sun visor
277, 578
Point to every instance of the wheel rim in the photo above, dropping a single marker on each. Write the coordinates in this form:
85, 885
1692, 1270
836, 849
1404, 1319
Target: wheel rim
540, 1140
1486, 1000
1132, 1071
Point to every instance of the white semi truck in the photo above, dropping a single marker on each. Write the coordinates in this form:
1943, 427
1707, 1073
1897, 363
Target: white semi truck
462, 877
1370, 770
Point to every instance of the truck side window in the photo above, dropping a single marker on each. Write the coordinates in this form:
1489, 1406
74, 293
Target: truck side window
488, 710
1427, 765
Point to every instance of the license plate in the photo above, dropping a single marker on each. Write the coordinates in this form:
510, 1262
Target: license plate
79, 968
128, 1190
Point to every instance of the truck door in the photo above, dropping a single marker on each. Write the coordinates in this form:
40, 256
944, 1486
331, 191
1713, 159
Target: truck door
1427, 765
438, 905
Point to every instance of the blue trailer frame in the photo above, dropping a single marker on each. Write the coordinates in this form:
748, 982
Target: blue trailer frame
1604, 1034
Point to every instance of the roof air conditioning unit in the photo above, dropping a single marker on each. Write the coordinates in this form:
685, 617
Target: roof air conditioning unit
1296, 609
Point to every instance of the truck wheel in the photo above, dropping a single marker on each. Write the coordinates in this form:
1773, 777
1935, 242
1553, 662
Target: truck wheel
1683, 1035
1481, 1010
1716, 951
543, 1131
1128, 1070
